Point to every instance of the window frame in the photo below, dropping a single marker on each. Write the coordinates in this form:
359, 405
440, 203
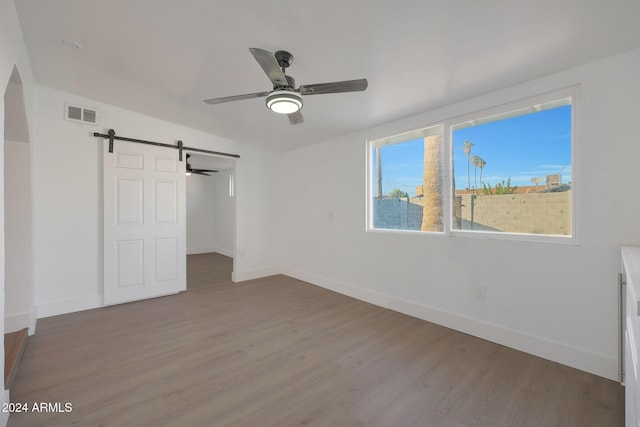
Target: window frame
448, 124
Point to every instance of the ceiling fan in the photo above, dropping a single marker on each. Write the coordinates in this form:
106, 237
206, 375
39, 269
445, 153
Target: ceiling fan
189, 170
285, 98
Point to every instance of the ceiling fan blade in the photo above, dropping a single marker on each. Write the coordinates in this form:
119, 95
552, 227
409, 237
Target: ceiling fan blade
197, 172
295, 118
334, 87
270, 66
236, 98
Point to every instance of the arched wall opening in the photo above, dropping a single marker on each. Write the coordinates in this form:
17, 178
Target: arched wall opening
19, 312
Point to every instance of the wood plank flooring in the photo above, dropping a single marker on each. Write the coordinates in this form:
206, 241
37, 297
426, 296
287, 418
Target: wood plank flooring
14, 343
280, 352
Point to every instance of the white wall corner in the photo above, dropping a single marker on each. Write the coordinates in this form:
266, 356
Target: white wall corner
4, 401
70, 305
254, 274
225, 252
33, 321
557, 352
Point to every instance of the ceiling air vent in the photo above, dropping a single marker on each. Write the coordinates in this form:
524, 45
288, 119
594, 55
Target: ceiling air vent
76, 113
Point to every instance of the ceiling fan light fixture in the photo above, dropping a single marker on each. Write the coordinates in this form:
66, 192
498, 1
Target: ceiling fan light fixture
284, 102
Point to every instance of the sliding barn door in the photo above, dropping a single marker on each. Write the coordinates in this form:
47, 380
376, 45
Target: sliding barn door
144, 222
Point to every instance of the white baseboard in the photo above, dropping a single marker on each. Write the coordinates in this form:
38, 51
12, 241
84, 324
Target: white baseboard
254, 274
558, 352
223, 251
15, 322
4, 400
194, 251
366, 295
71, 305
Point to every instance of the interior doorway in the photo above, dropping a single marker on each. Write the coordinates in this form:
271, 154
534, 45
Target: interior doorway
210, 207
19, 308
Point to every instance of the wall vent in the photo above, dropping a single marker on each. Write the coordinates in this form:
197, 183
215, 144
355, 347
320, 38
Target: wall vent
77, 113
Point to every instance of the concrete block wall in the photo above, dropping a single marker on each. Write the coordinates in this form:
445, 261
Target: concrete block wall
537, 213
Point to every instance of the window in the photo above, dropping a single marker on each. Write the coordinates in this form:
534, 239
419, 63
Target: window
403, 166
507, 172
513, 171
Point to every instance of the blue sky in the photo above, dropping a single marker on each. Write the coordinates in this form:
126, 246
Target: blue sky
520, 148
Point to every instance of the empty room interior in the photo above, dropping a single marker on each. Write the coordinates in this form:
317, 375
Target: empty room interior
320, 213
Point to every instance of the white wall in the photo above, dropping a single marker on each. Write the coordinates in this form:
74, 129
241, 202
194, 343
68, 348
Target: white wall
18, 250
210, 214
554, 300
67, 194
257, 250
201, 214
224, 213
12, 53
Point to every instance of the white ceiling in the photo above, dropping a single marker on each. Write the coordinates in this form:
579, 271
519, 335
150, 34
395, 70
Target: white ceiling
163, 57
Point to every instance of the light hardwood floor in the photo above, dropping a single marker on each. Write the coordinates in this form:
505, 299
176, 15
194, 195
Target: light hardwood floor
280, 352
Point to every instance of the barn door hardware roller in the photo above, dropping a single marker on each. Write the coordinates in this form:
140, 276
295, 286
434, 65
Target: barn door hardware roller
111, 136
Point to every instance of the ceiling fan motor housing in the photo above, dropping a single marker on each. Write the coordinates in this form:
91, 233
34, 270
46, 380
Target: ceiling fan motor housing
284, 58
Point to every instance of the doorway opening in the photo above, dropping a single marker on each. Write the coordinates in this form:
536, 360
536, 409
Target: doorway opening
19, 308
211, 207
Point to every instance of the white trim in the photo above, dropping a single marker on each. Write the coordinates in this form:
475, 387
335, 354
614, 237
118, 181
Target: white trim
254, 274
516, 237
70, 305
15, 322
222, 251
575, 357
225, 252
4, 416
365, 295
195, 251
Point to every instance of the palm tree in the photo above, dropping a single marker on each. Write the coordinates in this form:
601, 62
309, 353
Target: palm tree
475, 160
467, 146
481, 164
432, 210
